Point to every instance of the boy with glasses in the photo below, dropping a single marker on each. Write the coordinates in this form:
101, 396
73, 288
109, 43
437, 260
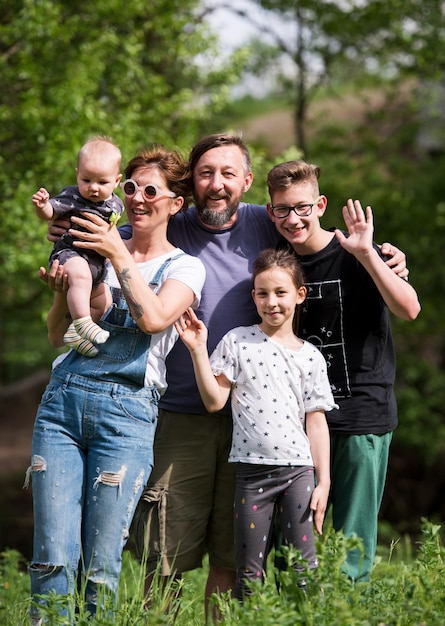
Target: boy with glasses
350, 292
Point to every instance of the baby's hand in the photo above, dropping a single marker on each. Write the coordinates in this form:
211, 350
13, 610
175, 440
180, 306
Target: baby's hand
40, 198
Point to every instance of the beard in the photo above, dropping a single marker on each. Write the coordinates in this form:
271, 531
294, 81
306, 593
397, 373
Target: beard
211, 217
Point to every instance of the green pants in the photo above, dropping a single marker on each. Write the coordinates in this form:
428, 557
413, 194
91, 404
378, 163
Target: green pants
358, 473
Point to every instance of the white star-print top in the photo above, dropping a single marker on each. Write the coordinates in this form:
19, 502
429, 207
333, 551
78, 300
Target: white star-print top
273, 388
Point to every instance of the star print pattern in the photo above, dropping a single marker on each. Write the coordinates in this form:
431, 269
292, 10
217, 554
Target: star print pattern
273, 388
69, 201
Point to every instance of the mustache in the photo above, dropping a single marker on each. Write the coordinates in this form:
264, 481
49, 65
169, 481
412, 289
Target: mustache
225, 196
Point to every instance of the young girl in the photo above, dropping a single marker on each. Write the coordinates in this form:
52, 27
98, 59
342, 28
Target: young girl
279, 393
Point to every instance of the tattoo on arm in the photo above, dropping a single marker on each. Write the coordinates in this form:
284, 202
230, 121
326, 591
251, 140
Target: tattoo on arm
135, 308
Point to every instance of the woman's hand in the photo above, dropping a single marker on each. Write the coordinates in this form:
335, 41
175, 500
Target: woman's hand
56, 279
100, 236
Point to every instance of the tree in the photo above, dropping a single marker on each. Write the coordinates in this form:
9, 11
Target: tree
137, 71
347, 40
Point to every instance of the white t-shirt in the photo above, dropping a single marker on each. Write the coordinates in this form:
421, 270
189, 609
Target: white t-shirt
273, 389
188, 270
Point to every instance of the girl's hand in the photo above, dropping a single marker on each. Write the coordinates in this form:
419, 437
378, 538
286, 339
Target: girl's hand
100, 236
192, 331
319, 502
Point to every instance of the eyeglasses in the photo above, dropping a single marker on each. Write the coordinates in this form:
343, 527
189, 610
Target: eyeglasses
303, 210
149, 191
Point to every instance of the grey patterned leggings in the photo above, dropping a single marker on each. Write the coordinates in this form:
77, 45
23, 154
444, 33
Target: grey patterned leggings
260, 489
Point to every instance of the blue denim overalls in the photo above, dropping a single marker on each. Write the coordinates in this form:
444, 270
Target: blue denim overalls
92, 454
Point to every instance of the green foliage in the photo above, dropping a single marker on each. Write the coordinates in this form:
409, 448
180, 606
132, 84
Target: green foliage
343, 41
14, 589
402, 593
140, 73
245, 109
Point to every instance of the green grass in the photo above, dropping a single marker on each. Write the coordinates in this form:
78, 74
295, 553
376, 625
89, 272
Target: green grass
407, 589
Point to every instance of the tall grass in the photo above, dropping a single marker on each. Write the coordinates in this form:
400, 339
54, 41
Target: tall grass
407, 589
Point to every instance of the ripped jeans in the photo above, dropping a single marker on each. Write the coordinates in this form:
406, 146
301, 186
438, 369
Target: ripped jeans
91, 457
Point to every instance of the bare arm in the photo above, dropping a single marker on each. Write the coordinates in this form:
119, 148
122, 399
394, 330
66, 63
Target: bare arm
151, 312
318, 435
214, 390
399, 296
43, 208
58, 320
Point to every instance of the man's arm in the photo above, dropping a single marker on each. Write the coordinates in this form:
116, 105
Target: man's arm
395, 259
56, 228
399, 296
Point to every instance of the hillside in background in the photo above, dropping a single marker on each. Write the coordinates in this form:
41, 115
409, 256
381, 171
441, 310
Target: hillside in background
275, 128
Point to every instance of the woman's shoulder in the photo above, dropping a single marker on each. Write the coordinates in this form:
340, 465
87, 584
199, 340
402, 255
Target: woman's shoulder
185, 259
187, 268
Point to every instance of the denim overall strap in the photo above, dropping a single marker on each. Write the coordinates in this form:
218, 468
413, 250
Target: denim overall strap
155, 282
123, 357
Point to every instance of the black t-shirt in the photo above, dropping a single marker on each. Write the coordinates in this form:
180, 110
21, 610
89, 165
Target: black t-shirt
345, 316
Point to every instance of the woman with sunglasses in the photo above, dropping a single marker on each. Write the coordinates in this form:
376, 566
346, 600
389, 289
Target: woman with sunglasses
93, 435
